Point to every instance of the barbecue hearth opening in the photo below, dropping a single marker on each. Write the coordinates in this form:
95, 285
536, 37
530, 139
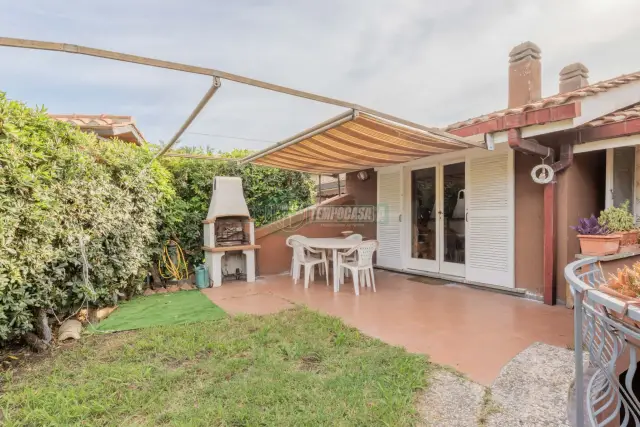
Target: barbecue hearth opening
232, 231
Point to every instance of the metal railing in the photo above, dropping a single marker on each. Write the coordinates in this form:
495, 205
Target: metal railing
604, 382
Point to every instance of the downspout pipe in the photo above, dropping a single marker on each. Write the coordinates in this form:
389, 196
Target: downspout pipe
531, 146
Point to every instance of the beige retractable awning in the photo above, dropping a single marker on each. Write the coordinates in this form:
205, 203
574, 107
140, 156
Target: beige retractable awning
355, 141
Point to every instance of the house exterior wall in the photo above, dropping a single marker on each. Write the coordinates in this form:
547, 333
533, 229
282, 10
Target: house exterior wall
580, 193
364, 193
529, 226
274, 257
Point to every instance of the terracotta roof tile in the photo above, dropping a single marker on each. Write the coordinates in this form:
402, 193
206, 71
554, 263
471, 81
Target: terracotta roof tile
618, 116
104, 122
552, 101
84, 120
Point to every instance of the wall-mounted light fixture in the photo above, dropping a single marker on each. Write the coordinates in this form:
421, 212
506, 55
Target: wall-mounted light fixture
363, 175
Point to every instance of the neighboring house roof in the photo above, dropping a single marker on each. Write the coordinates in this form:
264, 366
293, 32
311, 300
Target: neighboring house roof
501, 117
105, 125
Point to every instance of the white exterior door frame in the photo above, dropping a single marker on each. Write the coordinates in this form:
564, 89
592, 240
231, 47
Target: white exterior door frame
449, 268
438, 265
609, 181
410, 262
503, 276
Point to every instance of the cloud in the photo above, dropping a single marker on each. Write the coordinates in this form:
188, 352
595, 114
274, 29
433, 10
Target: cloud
427, 61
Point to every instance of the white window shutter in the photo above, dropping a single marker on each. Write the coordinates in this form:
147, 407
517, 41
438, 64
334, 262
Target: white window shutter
389, 219
490, 215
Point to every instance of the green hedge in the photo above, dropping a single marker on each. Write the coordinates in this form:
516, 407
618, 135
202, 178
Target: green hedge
60, 187
62, 190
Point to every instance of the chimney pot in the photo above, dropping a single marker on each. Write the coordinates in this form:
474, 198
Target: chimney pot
573, 77
525, 74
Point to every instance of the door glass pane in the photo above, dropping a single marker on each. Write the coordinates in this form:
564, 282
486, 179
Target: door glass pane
423, 213
624, 160
453, 212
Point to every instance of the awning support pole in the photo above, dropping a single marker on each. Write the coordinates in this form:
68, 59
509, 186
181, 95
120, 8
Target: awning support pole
203, 102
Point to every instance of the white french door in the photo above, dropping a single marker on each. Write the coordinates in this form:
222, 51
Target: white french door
452, 216
436, 219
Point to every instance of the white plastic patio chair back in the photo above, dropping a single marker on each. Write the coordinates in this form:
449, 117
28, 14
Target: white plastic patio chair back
298, 250
365, 253
304, 258
293, 257
352, 257
362, 267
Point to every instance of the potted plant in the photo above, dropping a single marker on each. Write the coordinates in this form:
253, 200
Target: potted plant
624, 285
620, 220
596, 238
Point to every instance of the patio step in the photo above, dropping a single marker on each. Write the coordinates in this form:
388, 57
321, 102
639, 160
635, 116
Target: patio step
532, 389
451, 400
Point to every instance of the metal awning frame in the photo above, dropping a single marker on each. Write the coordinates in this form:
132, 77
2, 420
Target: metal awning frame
354, 109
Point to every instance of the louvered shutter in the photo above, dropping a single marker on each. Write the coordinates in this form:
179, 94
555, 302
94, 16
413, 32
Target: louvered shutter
389, 220
490, 232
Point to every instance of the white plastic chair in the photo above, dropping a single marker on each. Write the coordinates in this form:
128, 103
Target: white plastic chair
293, 256
303, 258
363, 264
352, 257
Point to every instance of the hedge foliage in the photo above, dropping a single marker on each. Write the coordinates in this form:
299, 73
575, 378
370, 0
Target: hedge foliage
64, 193
270, 193
61, 189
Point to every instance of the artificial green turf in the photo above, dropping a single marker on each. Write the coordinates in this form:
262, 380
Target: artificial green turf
294, 368
160, 310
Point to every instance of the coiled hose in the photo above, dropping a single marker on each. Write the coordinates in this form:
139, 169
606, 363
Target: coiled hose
174, 268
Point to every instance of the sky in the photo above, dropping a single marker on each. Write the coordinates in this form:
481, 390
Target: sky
431, 62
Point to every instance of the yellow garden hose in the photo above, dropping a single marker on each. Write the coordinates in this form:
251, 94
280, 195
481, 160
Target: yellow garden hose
177, 270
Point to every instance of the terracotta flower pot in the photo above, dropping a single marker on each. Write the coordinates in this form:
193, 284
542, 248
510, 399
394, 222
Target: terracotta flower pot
599, 245
627, 300
629, 241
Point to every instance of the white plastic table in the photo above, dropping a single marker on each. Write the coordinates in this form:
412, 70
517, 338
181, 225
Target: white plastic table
335, 244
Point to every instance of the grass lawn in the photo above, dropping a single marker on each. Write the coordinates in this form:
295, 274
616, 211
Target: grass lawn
295, 368
161, 310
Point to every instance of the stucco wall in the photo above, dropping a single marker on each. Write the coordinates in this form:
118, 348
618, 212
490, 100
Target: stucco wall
364, 193
274, 257
580, 193
529, 225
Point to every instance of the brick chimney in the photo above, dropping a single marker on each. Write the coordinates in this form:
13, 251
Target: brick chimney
525, 74
573, 77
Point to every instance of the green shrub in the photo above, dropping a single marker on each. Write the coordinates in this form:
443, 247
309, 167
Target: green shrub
270, 193
62, 190
60, 187
617, 219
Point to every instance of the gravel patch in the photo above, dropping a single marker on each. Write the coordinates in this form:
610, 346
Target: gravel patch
532, 389
451, 400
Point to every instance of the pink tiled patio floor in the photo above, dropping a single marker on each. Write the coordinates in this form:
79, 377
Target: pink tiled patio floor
475, 331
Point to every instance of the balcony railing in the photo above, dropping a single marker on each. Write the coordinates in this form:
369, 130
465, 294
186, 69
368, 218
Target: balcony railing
604, 386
